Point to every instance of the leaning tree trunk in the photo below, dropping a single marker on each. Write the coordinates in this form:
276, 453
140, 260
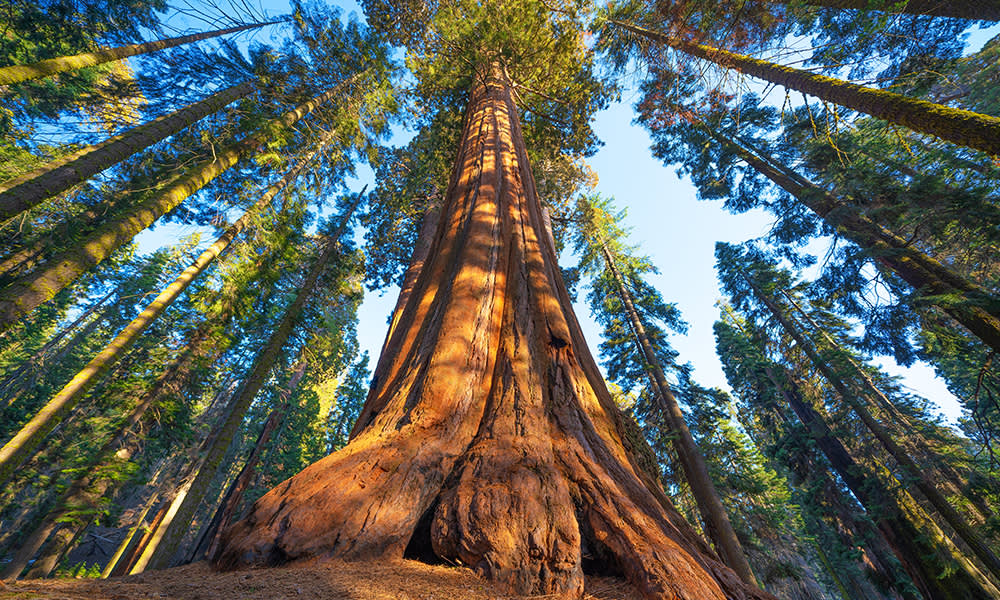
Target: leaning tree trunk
965, 301
717, 523
914, 549
979, 10
231, 500
962, 127
51, 66
488, 437
26, 191
262, 365
959, 524
30, 291
187, 465
87, 490
906, 430
32, 433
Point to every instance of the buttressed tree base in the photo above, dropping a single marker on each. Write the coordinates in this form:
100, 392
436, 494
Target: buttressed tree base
488, 436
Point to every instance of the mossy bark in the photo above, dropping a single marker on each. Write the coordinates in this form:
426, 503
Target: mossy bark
173, 534
28, 292
979, 10
917, 550
32, 433
914, 472
962, 127
26, 191
51, 66
967, 302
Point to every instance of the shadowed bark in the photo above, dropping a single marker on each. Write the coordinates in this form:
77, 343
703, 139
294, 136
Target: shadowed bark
915, 549
917, 473
489, 438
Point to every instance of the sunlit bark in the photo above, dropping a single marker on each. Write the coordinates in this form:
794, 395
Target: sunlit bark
162, 555
30, 291
51, 66
28, 438
962, 127
489, 438
59, 175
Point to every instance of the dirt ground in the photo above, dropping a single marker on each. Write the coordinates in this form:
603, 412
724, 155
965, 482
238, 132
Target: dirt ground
403, 580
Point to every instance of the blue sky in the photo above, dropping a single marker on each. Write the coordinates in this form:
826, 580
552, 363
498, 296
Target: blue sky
676, 230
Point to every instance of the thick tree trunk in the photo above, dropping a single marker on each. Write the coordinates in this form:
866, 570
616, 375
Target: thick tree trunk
962, 127
24, 192
717, 524
25, 441
913, 548
976, 308
51, 66
919, 477
488, 437
984, 10
27, 293
264, 362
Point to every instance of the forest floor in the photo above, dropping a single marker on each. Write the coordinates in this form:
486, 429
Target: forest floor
402, 580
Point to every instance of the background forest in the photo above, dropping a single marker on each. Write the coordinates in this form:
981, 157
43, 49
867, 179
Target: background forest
201, 241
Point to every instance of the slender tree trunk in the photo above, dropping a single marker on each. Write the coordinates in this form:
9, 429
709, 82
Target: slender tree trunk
128, 544
911, 546
26, 191
262, 366
22, 258
51, 66
22, 444
489, 437
979, 10
910, 434
25, 294
941, 505
717, 524
976, 309
24, 376
87, 490
188, 464
962, 127
211, 536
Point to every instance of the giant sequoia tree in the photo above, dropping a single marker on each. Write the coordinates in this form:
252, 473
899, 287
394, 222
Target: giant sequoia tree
488, 437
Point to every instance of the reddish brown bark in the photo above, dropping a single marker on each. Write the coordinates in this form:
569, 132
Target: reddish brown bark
489, 437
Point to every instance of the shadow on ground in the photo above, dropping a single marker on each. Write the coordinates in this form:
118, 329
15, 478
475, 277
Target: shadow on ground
334, 580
